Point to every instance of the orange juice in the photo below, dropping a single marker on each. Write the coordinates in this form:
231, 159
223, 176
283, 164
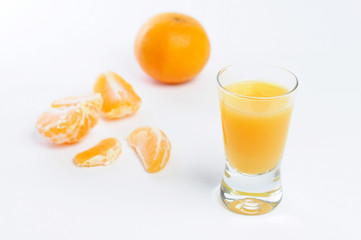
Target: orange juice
255, 120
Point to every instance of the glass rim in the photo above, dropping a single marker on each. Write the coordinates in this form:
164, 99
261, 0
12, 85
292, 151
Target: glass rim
257, 98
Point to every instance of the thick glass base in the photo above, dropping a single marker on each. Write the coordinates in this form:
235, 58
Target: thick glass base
251, 194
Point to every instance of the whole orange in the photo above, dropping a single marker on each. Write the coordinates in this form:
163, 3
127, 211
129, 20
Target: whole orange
172, 47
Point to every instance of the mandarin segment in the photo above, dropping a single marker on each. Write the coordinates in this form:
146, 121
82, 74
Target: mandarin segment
152, 146
93, 102
119, 97
102, 154
64, 124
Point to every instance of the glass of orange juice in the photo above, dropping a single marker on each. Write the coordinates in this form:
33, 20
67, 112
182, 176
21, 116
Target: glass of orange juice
256, 102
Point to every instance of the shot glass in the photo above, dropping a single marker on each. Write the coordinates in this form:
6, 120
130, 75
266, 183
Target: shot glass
256, 102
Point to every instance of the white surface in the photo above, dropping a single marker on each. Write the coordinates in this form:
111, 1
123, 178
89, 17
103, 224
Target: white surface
52, 49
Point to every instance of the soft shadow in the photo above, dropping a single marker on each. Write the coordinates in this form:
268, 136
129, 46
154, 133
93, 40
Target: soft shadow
202, 176
206, 177
151, 81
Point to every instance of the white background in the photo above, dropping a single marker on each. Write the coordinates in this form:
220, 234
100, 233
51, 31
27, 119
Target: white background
53, 49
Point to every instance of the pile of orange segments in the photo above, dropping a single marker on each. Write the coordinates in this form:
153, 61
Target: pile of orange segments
69, 120
171, 48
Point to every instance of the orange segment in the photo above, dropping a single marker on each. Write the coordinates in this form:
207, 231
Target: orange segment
64, 124
94, 102
120, 99
102, 154
152, 146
